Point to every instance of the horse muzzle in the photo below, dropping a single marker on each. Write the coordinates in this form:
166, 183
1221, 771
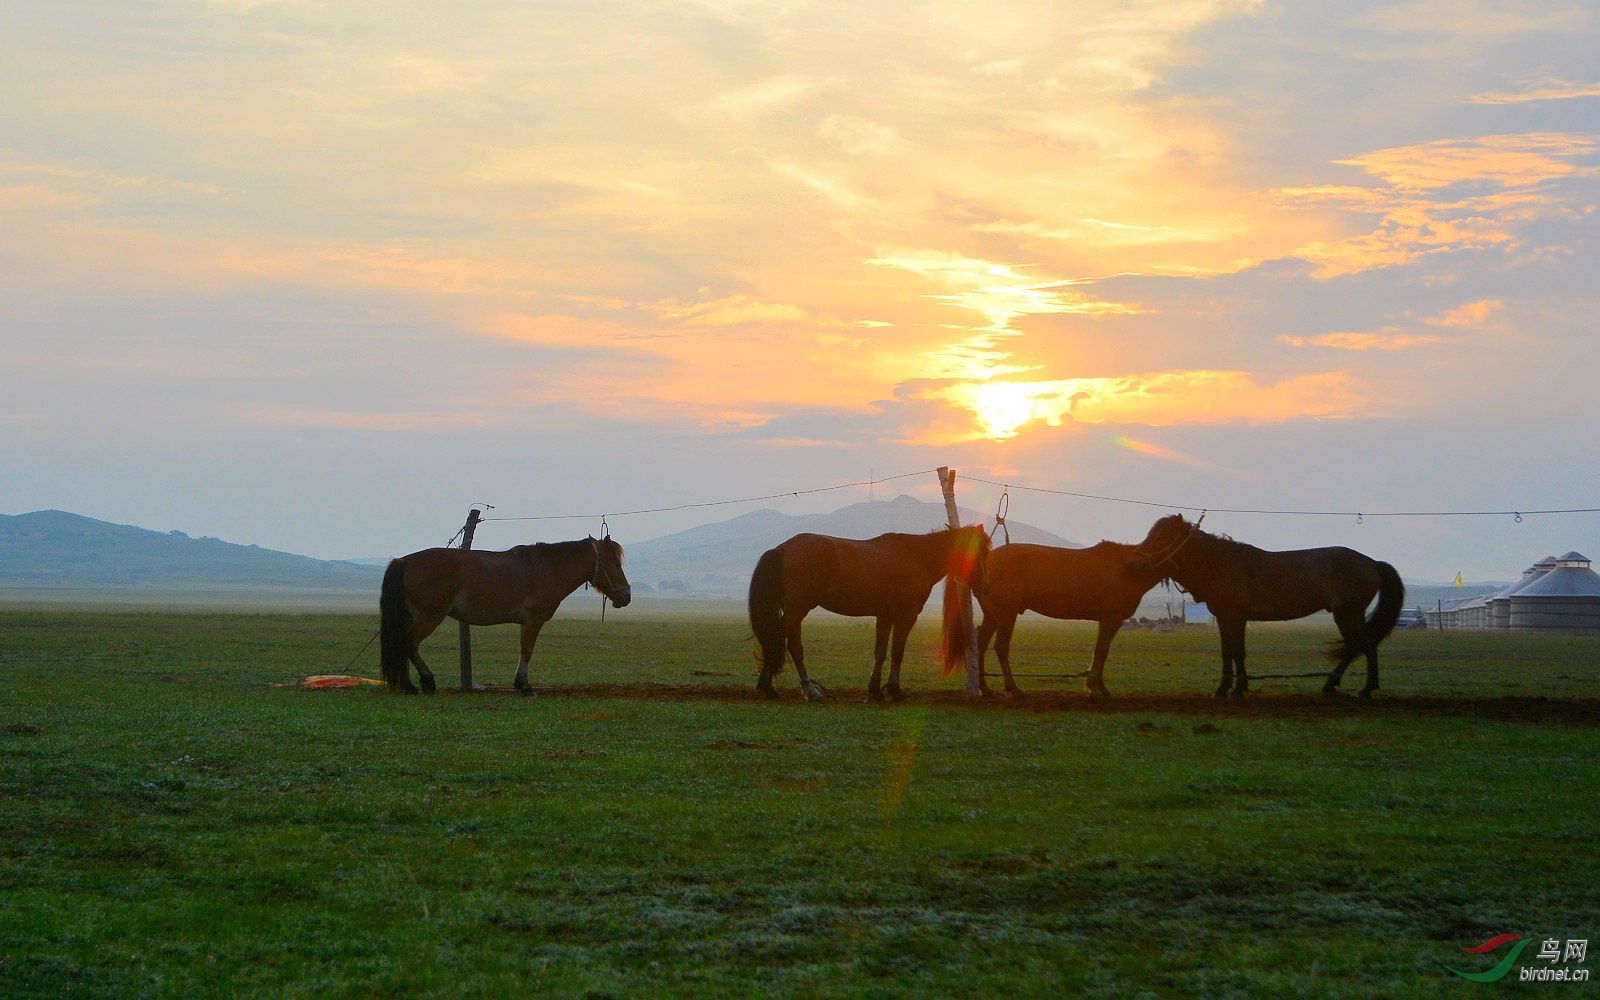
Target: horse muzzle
621, 597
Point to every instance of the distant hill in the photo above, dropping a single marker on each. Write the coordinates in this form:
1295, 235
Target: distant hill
55, 549
715, 560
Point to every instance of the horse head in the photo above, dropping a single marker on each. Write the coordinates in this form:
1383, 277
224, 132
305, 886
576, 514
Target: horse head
608, 577
1166, 537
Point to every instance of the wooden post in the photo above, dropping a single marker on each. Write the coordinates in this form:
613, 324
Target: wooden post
947, 483
467, 531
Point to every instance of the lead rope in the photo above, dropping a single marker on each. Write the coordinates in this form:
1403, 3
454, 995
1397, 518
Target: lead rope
1001, 509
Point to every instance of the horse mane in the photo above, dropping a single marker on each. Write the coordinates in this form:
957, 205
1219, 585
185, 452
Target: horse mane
553, 551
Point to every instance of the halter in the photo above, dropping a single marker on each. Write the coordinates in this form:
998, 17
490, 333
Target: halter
1167, 557
599, 570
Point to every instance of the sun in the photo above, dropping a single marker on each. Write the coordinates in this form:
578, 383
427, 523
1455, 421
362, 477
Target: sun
1001, 408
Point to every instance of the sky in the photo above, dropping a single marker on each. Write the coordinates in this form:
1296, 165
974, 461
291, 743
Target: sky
319, 275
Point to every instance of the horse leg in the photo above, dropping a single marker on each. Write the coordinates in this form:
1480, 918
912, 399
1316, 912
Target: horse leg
1002, 652
986, 632
880, 649
1364, 643
1095, 682
428, 685
791, 625
897, 653
1372, 670
1351, 631
531, 624
1241, 680
420, 630
1227, 628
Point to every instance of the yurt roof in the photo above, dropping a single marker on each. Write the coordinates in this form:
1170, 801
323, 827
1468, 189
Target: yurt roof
1565, 581
1574, 557
1529, 576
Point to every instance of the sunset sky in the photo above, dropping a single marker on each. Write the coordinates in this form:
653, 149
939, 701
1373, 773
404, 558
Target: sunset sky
317, 275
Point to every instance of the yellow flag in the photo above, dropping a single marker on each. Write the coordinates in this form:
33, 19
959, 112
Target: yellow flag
1458, 579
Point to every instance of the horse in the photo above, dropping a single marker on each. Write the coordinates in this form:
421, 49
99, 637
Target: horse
1241, 583
1097, 584
888, 578
524, 584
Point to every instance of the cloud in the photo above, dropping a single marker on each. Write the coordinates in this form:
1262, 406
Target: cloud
1000, 408
1544, 90
1444, 196
996, 290
857, 136
1469, 315
761, 98
1503, 160
1388, 339
734, 310
1474, 18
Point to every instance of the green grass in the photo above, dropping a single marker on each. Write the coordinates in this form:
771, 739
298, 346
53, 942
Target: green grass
173, 826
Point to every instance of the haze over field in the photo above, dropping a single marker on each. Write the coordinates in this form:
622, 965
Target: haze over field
318, 276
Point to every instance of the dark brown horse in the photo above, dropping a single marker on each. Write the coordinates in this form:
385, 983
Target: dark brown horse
1096, 584
524, 585
888, 578
1241, 583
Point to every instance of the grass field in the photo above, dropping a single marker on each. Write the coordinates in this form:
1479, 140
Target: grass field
174, 826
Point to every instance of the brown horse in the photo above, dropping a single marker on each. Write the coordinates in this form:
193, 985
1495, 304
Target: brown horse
524, 585
888, 578
1241, 583
1096, 584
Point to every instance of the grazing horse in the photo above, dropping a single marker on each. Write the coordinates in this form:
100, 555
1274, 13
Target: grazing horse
888, 578
1241, 583
524, 585
1096, 584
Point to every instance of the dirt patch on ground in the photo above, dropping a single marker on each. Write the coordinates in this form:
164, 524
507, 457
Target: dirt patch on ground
1537, 711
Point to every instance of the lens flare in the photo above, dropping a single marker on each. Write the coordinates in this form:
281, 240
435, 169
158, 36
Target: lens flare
1156, 451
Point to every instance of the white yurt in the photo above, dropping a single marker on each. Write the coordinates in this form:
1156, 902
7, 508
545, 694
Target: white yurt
1566, 597
1500, 604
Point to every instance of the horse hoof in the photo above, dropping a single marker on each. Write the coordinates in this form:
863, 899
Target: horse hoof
428, 685
812, 694
1221, 694
1237, 695
1366, 693
874, 694
527, 691
1097, 695
1330, 692
767, 690
894, 693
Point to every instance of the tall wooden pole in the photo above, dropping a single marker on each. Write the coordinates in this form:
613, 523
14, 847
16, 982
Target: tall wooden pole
947, 483
467, 531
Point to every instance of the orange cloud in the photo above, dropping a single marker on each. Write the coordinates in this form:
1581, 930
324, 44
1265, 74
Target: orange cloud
1505, 160
731, 311
1389, 339
999, 409
1414, 223
1545, 90
1472, 314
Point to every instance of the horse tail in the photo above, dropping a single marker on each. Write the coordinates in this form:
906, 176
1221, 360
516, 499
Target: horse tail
395, 628
766, 610
954, 628
1391, 597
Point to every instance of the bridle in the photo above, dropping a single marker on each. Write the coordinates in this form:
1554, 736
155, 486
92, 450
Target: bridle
1167, 558
600, 570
